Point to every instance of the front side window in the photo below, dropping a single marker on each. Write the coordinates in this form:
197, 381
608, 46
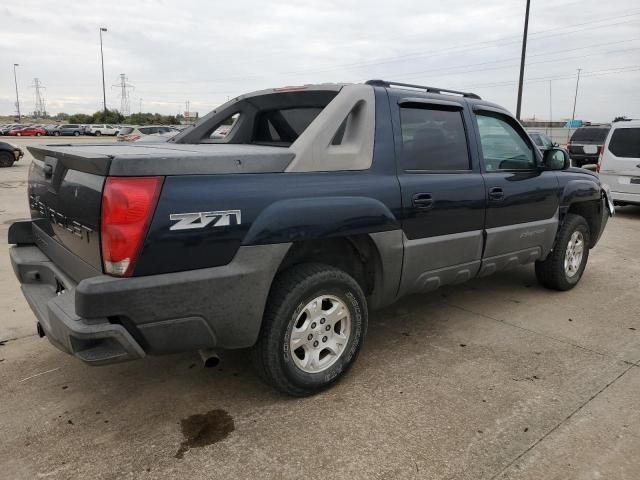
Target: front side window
503, 147
433, 139
625, 142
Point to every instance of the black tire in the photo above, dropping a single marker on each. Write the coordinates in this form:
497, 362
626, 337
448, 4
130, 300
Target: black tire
6, 159
38, 134
98, 133
291, 292
551, 272
76, 133
56, 134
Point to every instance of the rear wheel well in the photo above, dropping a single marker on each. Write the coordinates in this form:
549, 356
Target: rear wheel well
591, 212
356, 255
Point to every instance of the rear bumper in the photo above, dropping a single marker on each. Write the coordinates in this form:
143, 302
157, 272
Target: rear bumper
580, 159
103, 320
624, 197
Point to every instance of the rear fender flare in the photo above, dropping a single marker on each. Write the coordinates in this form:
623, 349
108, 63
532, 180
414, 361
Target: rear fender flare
302, 219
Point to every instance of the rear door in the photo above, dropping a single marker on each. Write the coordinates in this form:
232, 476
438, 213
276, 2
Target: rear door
443, 194
620, 166
522, 199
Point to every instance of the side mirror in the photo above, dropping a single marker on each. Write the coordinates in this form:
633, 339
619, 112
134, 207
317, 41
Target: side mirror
556, 159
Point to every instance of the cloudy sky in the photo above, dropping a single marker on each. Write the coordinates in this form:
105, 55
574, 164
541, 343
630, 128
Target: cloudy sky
207, 50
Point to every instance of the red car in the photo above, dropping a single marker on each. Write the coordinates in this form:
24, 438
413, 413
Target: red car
28, 131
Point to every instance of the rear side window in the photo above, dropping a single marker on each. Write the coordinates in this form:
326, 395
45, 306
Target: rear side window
625, 142
590, 134
433, 139
283, 127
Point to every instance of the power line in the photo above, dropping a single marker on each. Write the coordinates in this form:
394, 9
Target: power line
455, 49
595, 73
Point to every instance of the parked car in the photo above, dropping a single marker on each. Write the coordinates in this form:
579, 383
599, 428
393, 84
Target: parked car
9, 154
323, 202
130, 134
586, 143
542, 141
50, 129
12, 126
102, 129
619, 164
69, 129
28, 132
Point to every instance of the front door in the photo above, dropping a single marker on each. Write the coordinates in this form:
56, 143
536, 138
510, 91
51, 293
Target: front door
522, 198
443, 193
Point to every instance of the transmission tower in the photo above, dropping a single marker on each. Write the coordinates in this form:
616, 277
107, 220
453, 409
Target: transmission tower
124, 94
41, 110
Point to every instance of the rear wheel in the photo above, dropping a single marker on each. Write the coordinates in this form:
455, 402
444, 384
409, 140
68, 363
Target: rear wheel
18, 134
76, 133
6, 159
312, 331
98, 133
563, 268
38, 134
56, 134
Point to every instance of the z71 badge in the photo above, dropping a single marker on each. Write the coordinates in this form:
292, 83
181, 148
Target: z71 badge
222, 218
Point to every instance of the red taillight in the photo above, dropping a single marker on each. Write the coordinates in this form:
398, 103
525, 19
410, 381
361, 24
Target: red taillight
128, 204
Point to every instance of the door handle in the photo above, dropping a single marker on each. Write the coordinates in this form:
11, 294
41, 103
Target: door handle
422, 201
496, 193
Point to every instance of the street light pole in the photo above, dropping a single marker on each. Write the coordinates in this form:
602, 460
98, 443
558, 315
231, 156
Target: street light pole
522, 59
104, 89
15, 79
575, 100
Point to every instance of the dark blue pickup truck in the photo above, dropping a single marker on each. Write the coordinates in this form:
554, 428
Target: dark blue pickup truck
317, 204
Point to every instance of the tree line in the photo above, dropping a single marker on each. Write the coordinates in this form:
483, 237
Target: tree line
114, 116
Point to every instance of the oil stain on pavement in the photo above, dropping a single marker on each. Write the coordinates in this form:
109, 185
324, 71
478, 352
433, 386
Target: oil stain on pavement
201, 430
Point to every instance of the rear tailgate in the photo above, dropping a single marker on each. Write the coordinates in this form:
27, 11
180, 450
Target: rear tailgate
65, 192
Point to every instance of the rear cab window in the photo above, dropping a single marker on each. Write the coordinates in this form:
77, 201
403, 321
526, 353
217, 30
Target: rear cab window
275, 118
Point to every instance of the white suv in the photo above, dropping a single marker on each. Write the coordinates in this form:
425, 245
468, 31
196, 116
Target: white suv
102, 129
619, 164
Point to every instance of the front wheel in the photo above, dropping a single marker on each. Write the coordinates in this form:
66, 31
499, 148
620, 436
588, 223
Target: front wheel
563, 268
38, 134
77, 134
98, 133
18, 134
314, 325
56, 134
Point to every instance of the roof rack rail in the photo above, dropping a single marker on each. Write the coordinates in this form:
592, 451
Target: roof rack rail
385, 83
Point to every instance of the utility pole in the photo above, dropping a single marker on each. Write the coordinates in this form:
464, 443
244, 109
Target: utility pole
40, 110
575, 100
124, 94
140, 109
104, 89
522, 59
15, 79
550, 107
